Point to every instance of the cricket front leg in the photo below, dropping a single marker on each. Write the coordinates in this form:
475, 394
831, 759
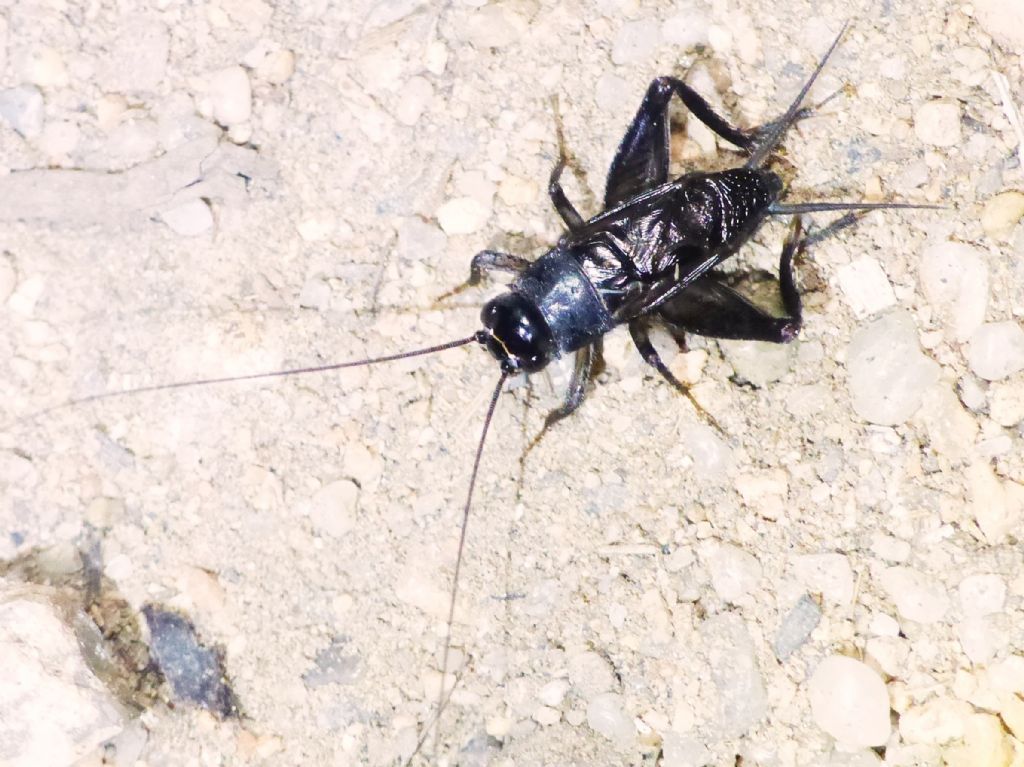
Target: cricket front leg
483, 263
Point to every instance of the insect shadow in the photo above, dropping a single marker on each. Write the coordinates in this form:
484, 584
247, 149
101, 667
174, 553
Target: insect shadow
648, 258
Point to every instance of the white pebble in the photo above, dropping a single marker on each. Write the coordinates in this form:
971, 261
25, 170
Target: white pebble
938, 721
332, 509
997, 506
54, 710
849, 702
980, 639
686, 31
1004, 20
888, 374
45, 67
1001, 214
278, 66
732, 657
547, 716
734, 572
865, 286
951, 429
415, 97
231, 96
982, 594
553, 693
996, 350
189, 219
954, 277
606, 715
462, 215
22, 109
828, 574
683, 751
1006, 402
636, 41
918, 597
758, 362
590, 674
938, 123
494, 26
711, 455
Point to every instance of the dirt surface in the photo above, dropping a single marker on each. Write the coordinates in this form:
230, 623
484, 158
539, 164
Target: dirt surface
323, 243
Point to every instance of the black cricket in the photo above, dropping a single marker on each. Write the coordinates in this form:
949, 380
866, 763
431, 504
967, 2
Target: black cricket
649, 257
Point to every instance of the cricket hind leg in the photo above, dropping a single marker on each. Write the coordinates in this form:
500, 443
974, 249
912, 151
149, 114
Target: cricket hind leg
485, 262
639, 331
572, 218
711, 308
642, 159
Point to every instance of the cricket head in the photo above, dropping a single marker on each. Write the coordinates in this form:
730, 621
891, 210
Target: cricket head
516, 334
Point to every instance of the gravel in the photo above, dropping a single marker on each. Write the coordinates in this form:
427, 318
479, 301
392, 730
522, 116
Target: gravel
193, 190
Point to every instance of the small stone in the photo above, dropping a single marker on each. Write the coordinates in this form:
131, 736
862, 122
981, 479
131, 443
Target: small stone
515, 191
888, 374
936, 722
590, 675
742, 700
333, 508
636, 41
917, 596
53, 709
758, 362
436, 57
1001, 214
996, 350
734, 572
985, 744
315, 228
315, 294
951, 429
686, 31
796, 627
414, 98
606, 715
828, 574
711, 455
109, 110
1004, 21
494, 26
980, 639
462, 215
997, 507
982, 594
553, 693
849, 702
1006, 402
231, 96
335, 664
954, 277
683, 751
546, 716
22, 109
278, 67
189, 219
45, 67
866, 286
938, 123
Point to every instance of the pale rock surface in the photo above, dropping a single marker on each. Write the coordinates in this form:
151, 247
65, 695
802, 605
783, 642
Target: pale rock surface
888, 374
866, 286
231, 95
1001, 214
1004, 20
954, 277
849, 702
53, 710
828, 574
982, 594
918, 596
996, 350
462, 215
938, 721
735, 573
22, 108
938, 123
606, 714
742, 700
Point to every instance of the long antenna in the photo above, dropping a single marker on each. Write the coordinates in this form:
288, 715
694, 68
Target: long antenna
248, 377
780, 126
443, 695
783, 209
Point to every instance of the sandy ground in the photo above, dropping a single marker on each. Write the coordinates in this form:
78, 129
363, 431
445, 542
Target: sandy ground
330, 249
